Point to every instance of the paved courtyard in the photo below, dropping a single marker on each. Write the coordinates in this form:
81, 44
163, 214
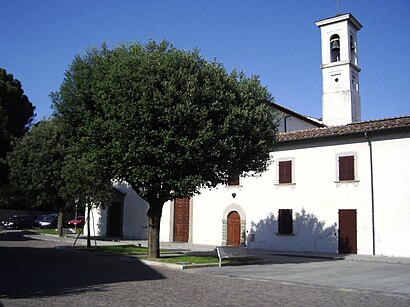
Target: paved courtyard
34, 273
347, 274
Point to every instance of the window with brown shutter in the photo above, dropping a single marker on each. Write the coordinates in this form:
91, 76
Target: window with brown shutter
233, 180
346, 168
285, 221
285, 171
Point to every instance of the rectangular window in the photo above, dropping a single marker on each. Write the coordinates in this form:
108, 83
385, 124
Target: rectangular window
285, 221
346, 168
285, 171
233, 180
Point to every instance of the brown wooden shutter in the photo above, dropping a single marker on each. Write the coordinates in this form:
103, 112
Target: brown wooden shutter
346, 168
285, 171
233, 180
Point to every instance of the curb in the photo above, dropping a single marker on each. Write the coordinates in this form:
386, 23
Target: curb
310, 256
184, 266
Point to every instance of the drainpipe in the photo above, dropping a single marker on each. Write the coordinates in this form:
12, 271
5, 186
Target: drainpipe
284, 124
372, 189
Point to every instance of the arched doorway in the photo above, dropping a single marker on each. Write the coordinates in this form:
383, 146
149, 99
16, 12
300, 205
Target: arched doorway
234, 229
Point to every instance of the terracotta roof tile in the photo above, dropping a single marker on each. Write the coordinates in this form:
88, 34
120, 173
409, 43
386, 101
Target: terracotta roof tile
354, 128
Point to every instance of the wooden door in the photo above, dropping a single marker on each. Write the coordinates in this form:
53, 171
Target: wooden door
115, 220
234, 229
181, 220
347, 232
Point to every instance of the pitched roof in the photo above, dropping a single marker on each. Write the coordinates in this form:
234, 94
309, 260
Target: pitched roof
381, 125
297, 115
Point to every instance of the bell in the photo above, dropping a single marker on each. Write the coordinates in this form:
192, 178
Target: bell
335, 44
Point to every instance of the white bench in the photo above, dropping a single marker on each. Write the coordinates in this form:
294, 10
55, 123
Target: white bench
231, 252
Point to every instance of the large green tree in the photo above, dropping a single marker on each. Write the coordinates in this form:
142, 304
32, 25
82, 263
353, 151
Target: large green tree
48, 170
36, 167
166, 121
16, 116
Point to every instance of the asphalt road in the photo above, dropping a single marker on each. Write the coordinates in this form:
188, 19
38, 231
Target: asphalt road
34, 273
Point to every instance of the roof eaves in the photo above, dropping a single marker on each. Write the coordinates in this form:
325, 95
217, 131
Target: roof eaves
340, 131
297, 115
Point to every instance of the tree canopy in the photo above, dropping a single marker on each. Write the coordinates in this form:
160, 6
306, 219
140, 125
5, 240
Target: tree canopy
47, 173
16, 116
36, 166
166, 121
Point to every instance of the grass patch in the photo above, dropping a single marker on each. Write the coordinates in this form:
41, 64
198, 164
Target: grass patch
188, 259
141, 252
46, 231
52, 231
120, 249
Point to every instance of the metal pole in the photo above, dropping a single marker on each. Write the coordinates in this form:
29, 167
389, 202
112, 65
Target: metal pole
372, 189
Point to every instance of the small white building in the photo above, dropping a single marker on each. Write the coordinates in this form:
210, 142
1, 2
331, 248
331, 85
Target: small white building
338, 186
126, 217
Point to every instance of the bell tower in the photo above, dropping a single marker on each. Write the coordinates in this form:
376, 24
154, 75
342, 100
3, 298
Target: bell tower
340, 70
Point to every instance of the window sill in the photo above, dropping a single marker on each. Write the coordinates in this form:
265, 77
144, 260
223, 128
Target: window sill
346, 181
286, 234
285, 184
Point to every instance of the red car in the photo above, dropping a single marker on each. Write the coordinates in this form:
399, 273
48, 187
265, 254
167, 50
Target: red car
78, 222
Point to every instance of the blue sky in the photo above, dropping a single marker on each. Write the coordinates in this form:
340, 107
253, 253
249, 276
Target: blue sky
275, 39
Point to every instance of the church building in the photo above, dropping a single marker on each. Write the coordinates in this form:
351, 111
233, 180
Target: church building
336, 185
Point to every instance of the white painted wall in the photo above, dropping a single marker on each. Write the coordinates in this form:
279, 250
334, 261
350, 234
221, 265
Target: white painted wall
392, 196
135, 223
291, 123
167, 222
98, 222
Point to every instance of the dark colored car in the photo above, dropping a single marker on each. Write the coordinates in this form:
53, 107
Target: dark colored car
18, 222
37, 219
49, 221
78, 222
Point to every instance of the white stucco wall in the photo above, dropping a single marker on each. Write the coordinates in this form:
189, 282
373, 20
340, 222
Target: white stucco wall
392, 196
291, 123
98, 225
167, 222
135, 209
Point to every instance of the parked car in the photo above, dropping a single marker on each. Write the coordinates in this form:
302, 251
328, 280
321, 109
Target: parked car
37, 219
49, 221
18, 222
78, 222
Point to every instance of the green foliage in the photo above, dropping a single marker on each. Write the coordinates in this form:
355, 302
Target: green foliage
35, 166
16, 115
165, 120
46, 170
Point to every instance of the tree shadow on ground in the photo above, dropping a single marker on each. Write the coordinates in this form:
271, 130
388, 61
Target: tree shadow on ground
39, 272
309, 235
13, 236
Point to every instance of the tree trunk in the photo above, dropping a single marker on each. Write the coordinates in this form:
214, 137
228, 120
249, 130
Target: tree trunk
60, 221
88, 225
154, 220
